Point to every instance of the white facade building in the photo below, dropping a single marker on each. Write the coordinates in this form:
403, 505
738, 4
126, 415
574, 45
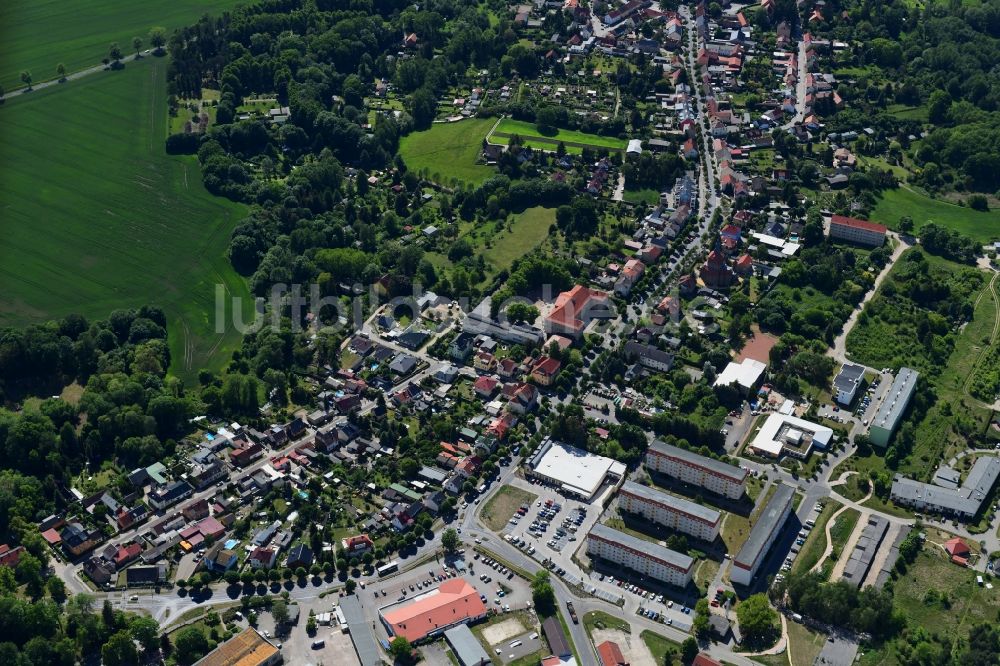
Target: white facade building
670, 511
639, 555
707, 473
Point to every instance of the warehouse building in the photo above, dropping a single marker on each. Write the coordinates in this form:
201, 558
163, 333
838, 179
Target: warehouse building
575, 471
706, 473
643, 557
763, 534
946, 496
466, 647
670, 511
890, 412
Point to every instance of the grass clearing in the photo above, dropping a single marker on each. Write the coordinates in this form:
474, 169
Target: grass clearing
840, 533
39, 34
601, 620
968, 604
509, 126
504, 503
527, 231
815, 543
804, 644
736, 528
646, 196
135, 227
894, 204
448, 152
660, 647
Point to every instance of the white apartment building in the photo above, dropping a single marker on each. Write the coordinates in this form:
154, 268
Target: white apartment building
639, 555
670, 511
711, 475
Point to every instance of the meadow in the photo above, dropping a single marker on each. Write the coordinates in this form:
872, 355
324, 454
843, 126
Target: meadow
40, 34
448, 151
894, 204
97, 217
524, 129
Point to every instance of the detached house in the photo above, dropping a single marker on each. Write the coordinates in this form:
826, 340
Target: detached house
545, 370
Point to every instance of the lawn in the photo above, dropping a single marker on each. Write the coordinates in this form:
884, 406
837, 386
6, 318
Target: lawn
498, 510
448, 152
815, 543
510, 126
646, 196
97, 217
840, 533
736, 528
804, 644
601, 620
894, 204
660, 646
39, 34
527, 231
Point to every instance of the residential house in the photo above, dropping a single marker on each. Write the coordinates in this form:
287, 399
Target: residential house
262, 558
545, 370
165, 496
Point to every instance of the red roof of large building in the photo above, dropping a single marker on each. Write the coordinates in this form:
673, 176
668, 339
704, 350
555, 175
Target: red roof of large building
454, 601
703, 659
611, 654
571, 304
857, 224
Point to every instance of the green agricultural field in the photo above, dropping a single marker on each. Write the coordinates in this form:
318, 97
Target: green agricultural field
448, 152
894, 204
97, 217
40, 34
510, 126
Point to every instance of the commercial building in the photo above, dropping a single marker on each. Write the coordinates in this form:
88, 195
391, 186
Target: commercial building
786, 434
846, 383
454, 602
857, 231
670, 511
746, 375
247, 648
769, 524
949, 499
890, 412
644, 557
574, 470
466, 646
706, 473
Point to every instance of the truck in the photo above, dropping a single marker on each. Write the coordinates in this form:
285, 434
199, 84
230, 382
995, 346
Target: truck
572, 612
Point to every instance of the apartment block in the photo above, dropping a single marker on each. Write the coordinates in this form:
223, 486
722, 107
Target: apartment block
707, 473
639, 555
670, 511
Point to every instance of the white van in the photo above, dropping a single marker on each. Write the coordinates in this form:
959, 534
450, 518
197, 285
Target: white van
515, 644
533, 636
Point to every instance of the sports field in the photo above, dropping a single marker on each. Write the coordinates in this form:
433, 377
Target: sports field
524, 129
894, 204
95, 216
448, 151
37, 35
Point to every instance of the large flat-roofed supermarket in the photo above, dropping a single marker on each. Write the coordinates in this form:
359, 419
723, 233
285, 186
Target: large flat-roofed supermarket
762, 535
710, 474
576, 471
